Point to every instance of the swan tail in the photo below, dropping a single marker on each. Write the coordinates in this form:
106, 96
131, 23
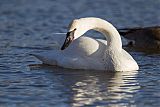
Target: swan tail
46, 59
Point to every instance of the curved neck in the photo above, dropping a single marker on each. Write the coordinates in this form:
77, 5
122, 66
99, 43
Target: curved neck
108, 30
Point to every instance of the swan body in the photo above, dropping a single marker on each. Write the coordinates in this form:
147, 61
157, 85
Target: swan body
88, 53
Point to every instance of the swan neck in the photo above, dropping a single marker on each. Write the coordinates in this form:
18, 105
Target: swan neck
110, 32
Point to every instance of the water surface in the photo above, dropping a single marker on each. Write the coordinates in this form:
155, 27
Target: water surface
28, 26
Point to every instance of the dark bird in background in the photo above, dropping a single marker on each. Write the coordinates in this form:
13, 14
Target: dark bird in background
142, 37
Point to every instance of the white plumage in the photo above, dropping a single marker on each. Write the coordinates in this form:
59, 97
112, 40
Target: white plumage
88, 53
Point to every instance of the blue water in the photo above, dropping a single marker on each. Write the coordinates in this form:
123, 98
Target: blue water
28, 26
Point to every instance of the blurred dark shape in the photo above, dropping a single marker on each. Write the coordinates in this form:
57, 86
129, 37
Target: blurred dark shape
142, 37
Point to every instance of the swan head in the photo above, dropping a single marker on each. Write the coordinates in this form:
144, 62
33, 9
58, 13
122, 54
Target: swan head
68, 40
76, 29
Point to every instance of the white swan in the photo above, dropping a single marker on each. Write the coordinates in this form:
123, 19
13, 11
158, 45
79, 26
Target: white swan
88, 53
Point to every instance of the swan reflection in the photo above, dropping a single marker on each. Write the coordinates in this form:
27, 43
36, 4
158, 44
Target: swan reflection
92, 88
105, 88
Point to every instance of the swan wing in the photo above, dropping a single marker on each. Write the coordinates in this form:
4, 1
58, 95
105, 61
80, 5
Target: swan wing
130, 63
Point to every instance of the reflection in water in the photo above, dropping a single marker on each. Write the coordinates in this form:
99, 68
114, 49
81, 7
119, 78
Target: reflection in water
105, 88
98, 88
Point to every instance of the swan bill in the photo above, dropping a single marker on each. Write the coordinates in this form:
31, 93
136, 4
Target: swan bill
68, 40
